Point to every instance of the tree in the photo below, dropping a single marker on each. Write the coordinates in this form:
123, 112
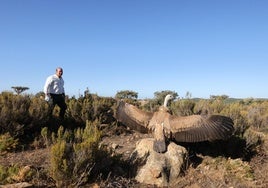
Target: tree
160, 95
126, 94
19, 89
219, 97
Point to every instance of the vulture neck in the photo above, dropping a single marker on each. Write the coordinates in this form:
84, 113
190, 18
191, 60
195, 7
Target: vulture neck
166, 102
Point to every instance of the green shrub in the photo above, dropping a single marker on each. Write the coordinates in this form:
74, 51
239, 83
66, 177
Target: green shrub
258, 115
183, 107
238, 113
91, 108
73, 154
6, 173
13, 113
254, 140
22, 113
7, 143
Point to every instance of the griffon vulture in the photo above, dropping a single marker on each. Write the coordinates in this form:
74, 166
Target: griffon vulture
164, 126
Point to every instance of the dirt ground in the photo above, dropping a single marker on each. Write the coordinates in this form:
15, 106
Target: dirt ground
203, 174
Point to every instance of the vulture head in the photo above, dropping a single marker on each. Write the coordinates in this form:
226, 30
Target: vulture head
168, 98
165, 127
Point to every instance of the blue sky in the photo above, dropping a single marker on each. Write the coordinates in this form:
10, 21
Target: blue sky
208, 47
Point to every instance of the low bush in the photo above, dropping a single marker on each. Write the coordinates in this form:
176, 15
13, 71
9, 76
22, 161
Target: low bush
7, 143
76, 155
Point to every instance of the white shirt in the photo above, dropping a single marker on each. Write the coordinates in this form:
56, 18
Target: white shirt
54, 85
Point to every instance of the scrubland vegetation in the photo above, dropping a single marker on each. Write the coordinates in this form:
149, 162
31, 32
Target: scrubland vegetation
76, 156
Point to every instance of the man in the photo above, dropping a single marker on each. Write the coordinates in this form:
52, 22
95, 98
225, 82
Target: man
54, 90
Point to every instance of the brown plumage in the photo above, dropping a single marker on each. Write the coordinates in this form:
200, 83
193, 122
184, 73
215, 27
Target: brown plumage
163, 125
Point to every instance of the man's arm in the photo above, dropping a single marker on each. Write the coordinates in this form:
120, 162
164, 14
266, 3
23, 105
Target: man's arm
47, 85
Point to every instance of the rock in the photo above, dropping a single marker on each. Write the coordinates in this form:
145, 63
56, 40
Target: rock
115, 146
161, 169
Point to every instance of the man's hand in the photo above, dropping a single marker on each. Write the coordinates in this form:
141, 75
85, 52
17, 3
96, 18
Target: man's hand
47, 98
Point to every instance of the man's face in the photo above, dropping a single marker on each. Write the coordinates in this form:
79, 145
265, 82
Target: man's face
59, 72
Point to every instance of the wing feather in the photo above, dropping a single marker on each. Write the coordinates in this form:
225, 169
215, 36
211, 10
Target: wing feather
197, 128
133, 117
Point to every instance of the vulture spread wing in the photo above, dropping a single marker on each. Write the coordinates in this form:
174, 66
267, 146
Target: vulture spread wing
133, 117
197, 128
194, 128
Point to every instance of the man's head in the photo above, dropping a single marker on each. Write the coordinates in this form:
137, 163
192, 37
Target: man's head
59, 71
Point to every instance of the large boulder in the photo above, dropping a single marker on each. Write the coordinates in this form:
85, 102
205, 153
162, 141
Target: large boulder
161, 169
